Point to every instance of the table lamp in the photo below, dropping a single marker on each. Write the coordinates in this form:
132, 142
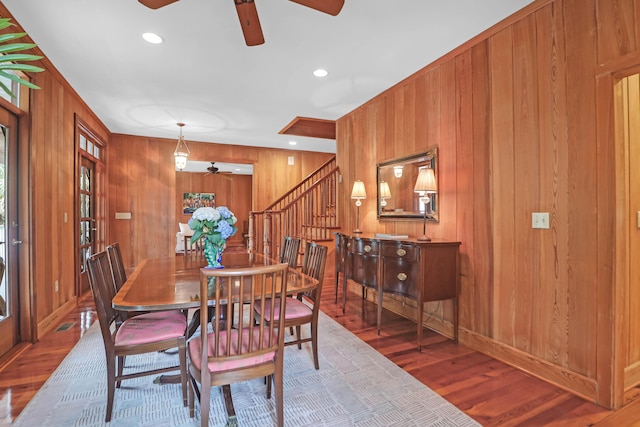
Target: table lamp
358, 193
425, 184
385, 193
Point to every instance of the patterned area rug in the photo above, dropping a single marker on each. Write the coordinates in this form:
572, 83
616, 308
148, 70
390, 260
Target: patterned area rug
355, 386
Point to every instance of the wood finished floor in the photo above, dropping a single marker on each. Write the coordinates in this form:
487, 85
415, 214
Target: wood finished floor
491, 392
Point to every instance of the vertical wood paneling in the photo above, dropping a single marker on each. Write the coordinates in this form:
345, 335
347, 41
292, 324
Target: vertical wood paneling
464, 189
582, 262
502, 187
617, 30
527, 186
230, 190
518, 119
482, 233
552, 342
145, 183
446, 108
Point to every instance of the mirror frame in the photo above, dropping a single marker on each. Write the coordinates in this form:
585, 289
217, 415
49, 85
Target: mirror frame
403, 186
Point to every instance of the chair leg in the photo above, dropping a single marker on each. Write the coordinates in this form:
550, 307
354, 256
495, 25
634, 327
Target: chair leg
111, 386
269, 378
299, 336
205, 397
314, 344
120, 363
182, 351
277, 378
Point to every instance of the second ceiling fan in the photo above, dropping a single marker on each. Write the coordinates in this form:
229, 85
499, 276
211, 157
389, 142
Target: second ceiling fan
248, 15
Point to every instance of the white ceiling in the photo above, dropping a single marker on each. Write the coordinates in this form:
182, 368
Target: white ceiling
205, 76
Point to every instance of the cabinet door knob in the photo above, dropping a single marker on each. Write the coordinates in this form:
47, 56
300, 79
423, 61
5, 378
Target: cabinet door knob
401, 252
402, 277
367, 248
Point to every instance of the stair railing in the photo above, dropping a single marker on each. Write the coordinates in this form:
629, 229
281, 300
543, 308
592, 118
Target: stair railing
307, 211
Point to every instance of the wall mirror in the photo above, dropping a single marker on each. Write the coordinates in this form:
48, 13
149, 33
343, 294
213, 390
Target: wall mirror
396, 181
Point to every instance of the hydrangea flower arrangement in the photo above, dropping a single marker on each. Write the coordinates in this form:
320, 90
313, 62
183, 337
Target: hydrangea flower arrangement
215, 224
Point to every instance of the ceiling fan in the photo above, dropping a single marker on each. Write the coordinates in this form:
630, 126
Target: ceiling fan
214, 170
248, 15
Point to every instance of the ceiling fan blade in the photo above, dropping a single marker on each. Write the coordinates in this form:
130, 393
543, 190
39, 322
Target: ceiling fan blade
248, 16
156, 4
332, 7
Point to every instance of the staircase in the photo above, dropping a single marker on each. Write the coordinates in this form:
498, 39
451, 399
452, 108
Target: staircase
307, 211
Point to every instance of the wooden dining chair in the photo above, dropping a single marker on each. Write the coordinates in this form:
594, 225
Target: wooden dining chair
297, 312
238, 351
141, 334
117, 265
289, 251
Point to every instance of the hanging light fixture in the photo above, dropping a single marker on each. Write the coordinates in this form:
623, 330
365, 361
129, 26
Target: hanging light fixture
182, 151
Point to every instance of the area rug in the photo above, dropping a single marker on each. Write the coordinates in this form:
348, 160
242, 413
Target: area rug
355, 386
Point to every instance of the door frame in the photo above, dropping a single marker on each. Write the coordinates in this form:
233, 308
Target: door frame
99, 182
612, 313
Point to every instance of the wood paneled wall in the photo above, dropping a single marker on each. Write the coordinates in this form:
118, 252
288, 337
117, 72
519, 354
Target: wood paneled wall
514, 112
143, 181
233, 191
48, 146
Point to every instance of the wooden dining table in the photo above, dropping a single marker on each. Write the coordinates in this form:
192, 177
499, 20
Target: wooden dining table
174, 283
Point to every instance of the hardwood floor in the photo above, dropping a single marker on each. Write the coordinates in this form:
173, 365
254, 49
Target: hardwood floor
490, 391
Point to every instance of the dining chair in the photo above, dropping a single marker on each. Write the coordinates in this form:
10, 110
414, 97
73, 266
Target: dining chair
117, 265
144, 333
289, 251
297, 312
241, 350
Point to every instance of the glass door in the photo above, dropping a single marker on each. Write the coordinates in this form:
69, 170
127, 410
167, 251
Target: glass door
87, 219
9, 233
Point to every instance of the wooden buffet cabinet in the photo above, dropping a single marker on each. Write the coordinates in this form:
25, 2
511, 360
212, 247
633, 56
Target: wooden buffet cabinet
420, 270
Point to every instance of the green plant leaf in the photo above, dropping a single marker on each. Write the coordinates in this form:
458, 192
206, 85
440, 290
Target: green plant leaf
9, 61
14, 47
11, 57
20, 67
11, 36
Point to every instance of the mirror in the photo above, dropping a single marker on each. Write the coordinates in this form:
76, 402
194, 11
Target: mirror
396, 180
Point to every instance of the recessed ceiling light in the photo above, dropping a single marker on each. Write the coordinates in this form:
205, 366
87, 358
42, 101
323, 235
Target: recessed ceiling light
320, 72
293, 143
152, 38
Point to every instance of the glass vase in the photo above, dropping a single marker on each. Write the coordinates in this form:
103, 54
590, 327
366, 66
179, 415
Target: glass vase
213, 254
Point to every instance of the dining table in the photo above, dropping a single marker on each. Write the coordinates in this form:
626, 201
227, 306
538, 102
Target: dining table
173, 283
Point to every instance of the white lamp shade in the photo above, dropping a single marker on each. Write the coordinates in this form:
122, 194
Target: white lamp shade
358, 192
426, 181
181, 161
385, 193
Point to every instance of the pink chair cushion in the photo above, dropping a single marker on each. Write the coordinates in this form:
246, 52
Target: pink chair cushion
151, 327
195, 347
294, 309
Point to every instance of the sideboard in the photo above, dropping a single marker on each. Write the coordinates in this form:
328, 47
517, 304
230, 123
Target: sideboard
420, 270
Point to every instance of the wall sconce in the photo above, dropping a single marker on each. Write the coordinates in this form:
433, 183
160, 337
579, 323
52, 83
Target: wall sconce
385, 193
182, 151
397, 171
425, 184
358, 193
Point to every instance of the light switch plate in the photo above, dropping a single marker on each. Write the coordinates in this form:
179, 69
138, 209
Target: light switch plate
123, 215
540, 220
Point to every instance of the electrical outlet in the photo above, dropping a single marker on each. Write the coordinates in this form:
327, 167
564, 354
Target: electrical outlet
56, 286
540, 220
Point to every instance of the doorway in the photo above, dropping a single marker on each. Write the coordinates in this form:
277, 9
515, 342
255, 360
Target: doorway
91, 205
9, 233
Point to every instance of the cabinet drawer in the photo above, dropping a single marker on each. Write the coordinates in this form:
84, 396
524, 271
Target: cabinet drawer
399, 250
364, 247
401, 277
